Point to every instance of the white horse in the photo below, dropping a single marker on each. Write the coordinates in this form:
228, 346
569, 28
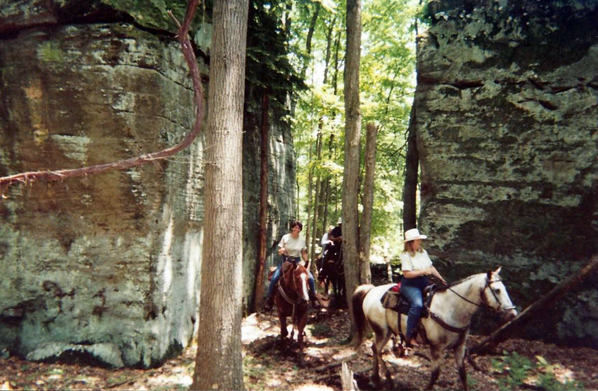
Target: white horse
447, 326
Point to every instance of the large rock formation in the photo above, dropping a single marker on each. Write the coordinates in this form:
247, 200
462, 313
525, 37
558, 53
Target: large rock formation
107, 266
507, 119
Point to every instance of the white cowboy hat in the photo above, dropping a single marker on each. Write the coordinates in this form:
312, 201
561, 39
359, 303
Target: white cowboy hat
340, 221
413, 234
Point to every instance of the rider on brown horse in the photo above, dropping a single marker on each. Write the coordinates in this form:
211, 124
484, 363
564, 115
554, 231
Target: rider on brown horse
292, 248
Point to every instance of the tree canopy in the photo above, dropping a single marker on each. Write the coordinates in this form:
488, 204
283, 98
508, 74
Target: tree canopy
386, 87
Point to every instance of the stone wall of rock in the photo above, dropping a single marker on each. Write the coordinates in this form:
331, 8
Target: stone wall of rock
507, 128
108, 265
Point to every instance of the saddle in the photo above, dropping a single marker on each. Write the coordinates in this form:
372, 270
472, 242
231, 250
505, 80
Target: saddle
394, 300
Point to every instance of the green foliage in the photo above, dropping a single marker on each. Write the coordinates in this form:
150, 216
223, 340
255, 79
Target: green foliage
268, 67
153, 13
516, 369
387, 83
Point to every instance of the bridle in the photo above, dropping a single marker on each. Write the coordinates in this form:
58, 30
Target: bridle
462, 330
299, 300
483, 297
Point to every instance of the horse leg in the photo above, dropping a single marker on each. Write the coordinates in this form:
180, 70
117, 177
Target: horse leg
382, 337
283, 325
435, 354
459, 359
302, 321
397, 347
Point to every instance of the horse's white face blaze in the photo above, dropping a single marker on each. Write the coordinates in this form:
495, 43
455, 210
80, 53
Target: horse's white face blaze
304, 286
497, 290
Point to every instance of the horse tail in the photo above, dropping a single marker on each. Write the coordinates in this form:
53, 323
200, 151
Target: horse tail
359, 319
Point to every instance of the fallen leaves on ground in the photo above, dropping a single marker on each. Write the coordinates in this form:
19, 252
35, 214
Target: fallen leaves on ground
272, 364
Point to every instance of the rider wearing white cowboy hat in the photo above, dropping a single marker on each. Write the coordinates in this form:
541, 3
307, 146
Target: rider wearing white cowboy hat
416, 265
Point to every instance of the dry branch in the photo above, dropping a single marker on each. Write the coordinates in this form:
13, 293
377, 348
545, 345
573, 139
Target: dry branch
321, 368
538, 307
347, 381
187, 49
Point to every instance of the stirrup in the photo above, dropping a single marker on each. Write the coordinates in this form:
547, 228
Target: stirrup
269, 304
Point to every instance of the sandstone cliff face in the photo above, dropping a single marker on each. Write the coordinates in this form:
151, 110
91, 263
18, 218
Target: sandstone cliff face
507, 127
107, 265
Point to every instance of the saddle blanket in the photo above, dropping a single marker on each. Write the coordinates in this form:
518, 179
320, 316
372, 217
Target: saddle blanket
394, 300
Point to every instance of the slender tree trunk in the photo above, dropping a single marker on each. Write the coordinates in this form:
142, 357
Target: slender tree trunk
352, 149
310, 34
365, 228
261, 253
310, 183
337, 45
411, 169
411, 164
219, 359
316, 197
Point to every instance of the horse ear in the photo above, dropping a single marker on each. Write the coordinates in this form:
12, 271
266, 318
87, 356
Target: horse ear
497, 271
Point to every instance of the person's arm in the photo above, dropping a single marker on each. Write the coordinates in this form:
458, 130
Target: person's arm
430, 270
416, 273
281, 247
435, 273
304, 254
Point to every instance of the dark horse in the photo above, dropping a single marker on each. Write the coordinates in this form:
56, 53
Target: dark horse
332, 271
292, 299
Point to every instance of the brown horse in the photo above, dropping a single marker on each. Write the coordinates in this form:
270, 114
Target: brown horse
292, 299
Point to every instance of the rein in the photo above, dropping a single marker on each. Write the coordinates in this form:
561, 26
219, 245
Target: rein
462, 330
284, 295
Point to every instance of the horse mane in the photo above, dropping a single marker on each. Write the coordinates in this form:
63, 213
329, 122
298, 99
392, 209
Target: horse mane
445, 287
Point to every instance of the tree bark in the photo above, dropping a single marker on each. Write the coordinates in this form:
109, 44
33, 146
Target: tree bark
263, 211
219, 358
411, 173
310, 34
314, 227
365, 228
537, 308
352, 149
310, 183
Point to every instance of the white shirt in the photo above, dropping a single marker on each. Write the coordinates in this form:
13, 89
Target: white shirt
324, 240
292, 245
420, 261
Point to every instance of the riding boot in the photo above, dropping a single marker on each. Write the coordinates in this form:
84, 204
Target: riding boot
269, 303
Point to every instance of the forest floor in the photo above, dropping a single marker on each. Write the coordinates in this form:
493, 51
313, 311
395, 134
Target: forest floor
270, 365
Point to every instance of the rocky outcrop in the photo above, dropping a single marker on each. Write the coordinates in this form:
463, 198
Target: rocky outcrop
507, 119
107, 266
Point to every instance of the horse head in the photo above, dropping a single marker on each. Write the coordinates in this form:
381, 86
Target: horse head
496, 297
294, 281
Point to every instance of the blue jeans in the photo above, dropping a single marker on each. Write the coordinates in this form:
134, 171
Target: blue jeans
277, 274
412, 289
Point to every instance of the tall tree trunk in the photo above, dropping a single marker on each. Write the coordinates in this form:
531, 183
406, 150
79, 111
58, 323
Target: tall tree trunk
219, 359
261, 253
316, 197
411, 169
411, 163
337, 45
365, 229
352, 148
308, 40
310, 183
